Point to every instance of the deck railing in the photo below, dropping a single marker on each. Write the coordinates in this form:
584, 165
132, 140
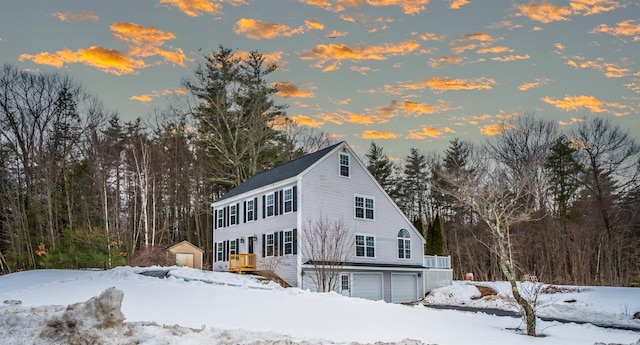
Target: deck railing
242, 263
435, 261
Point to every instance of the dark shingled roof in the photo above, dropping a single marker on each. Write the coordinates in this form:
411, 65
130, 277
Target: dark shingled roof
279, 173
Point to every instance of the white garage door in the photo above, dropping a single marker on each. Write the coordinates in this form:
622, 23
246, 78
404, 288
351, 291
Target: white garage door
404, 287
366, 285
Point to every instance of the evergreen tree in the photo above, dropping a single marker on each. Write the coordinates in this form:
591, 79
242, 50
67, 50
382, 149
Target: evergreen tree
435, 243
414, 184
382, 169
564, 172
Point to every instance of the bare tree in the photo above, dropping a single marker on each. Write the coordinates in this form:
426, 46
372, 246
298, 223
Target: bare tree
500, 198
328, 245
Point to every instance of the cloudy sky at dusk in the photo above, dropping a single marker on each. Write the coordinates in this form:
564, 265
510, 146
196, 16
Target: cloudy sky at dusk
414, 73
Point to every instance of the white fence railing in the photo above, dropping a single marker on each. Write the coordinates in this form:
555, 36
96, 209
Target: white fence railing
435, 261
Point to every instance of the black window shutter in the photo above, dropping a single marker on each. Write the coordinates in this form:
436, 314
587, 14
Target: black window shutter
244, 212
237, 213
215, 251
215, 221
237, 246
255, 208
264, 245
264, 206
275, 203
226, 216
281, 203
226, 251
295, 241
281, 240
295, 198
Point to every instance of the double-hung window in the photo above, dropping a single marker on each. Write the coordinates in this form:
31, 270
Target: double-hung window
232, 247
288, 200
220, 217
365, 246
269, 245
364, 207
270, 205
220, 251
251, 210
288, 242
404, 244
344, 165
233, 215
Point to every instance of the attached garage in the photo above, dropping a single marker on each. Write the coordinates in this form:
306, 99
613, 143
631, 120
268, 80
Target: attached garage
367, 285
404, 287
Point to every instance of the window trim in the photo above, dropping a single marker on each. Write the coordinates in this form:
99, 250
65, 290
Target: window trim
406, 244
288, 201
220, 217
220, 251
364, 207
365, 246
272, 245
347, 165
285, 242
271, 205
233, 215
252, 210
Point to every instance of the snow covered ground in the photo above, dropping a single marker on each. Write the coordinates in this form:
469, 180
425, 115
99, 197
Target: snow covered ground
201, 307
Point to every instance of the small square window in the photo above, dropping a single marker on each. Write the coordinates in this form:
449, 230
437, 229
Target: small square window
364, 207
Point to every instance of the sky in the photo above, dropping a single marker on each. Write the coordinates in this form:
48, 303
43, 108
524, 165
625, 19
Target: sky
202, 307
405, 73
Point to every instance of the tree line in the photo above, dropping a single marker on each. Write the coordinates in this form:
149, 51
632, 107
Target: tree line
79, 187
537, 201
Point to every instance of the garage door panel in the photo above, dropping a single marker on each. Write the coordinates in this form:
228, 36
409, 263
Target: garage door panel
367, 285
404, 288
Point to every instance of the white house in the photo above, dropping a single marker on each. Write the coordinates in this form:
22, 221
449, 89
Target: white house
261, 225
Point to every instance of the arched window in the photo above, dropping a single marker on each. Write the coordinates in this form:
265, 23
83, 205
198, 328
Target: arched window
404, 244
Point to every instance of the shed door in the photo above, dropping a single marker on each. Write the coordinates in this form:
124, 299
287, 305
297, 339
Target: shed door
366, 285
184, 259
404, 287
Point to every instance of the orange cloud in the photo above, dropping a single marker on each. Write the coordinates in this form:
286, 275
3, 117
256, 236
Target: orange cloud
511, 58
324, 54
107, 60
456, 4
625, 28
439, 84
428, 36
142, 98
494, 50
313, 24
570, 122
149, 97
336, 33
255, 29
468, 42
633, 86
590, 7
372, 134
569, 103
444, 60
505, 24
305, 120
342, 117
412, 108
290, 90
411, 7
533, 85
75, 17
492, 130
609, 69
545, 12
143, 42
335, 5
273, 58
194, 8
428, 132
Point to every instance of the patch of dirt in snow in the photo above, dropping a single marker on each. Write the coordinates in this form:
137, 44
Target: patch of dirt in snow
99, 321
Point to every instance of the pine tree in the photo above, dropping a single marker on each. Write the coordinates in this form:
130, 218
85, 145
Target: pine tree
382, 169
